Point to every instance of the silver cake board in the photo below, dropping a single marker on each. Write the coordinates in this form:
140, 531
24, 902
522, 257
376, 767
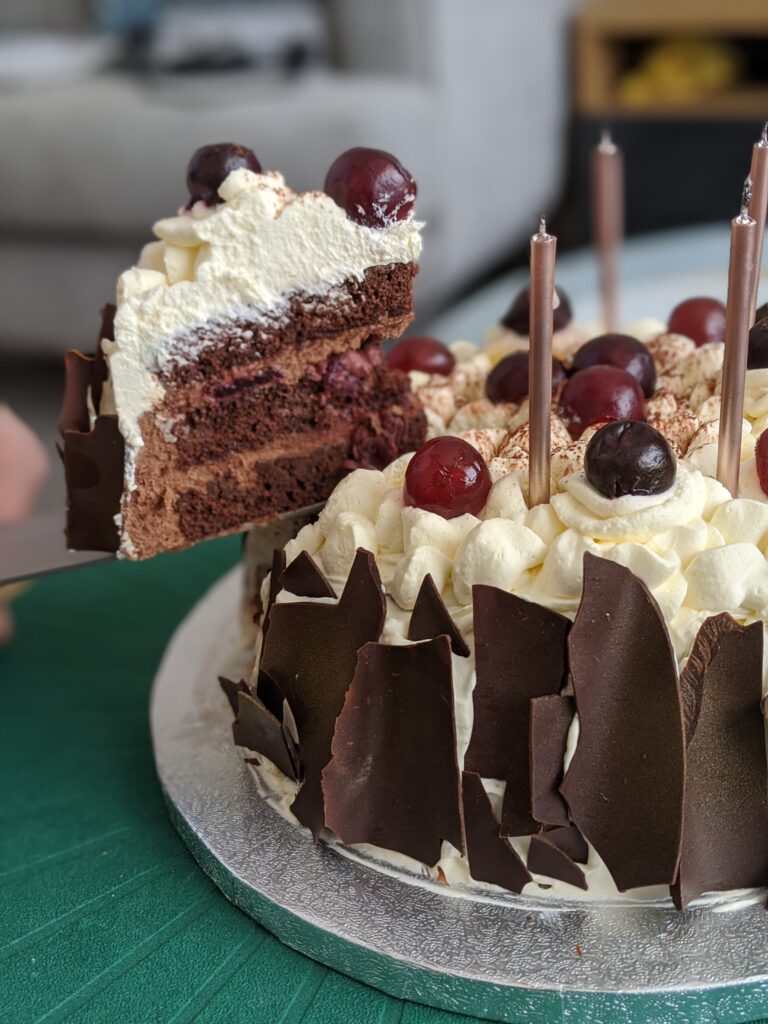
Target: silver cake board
502, 958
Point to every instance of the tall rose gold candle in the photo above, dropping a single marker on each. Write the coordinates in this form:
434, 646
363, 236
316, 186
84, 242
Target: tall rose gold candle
608, 222
543, 253
758, 206
738, 317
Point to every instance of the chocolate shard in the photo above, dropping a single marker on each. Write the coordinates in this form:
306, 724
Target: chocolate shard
570, 841
232, 689
393, 778
266, 688
93, 469
490, 856
624, 785
257, 729
521, 654
546, 858
430, 618
304, 578
725, 819
78, 373
310, 653
551, 719
107, 330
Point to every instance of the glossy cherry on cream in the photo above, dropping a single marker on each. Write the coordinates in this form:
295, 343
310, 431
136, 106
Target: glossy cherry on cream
508, 380
629, 457
761, 460
619, 350
518, 315
701, 319
210, 165
447, 476
421, 353
599, 394
371, 186
757, 352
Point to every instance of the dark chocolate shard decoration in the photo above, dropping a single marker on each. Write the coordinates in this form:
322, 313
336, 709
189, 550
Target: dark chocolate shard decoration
490, 856
520, 650
78, 374
393, 778
570, 841
232, 689
266, 688
304, 578
551, 719
624, 785
725, 819
310, 653
93, 469
107, 331
430, 618
546, 858
257, 729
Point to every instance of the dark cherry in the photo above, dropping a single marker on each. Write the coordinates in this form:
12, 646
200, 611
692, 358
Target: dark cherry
761, 460
421, 353
447, 476
371, 186
210, 165
757, 353
762, 312
599, 394
700, 319
517, 316
508, 380
627, 457
619, 350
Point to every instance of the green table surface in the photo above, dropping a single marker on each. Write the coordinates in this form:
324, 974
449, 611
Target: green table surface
104, 915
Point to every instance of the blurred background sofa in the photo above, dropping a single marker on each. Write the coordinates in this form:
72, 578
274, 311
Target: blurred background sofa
96, 142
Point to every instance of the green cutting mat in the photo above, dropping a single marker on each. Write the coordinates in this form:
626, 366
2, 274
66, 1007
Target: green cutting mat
104, 916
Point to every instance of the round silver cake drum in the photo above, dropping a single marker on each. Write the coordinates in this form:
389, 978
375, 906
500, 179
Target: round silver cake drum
503, 958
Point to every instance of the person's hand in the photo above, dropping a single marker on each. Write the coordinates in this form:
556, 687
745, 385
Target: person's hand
24, 467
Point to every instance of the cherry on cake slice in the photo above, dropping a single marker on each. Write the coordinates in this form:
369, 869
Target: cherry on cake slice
239, 375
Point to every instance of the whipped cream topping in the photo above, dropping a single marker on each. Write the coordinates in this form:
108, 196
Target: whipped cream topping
699, 551
245, 256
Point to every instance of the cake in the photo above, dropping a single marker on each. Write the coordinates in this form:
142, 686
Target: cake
239, 376
563, 700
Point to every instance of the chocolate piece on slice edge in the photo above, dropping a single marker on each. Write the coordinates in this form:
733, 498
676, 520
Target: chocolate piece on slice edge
624, 785
545, 857
490, 856
520, 652
232, 689
93, 470
393, 778
430, 618
304, 578
310, 654
551, 719
257, 729
725, 818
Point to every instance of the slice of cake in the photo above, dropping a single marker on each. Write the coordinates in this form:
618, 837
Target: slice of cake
239, 374
563, 699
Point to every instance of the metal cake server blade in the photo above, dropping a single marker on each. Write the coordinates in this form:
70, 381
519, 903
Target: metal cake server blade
36, 546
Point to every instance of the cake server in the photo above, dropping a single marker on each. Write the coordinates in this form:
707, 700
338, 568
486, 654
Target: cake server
36, 546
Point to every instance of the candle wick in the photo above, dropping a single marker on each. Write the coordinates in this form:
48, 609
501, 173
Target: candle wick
746, 196
764, 134
542, 225
605, 138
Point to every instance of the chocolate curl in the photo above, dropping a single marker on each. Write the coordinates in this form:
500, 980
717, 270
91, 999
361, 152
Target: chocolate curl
624, 785
725, 820
310, 653
430, 618
393, 778
490, 857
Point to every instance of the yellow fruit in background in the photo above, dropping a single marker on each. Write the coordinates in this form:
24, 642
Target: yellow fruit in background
681, 70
